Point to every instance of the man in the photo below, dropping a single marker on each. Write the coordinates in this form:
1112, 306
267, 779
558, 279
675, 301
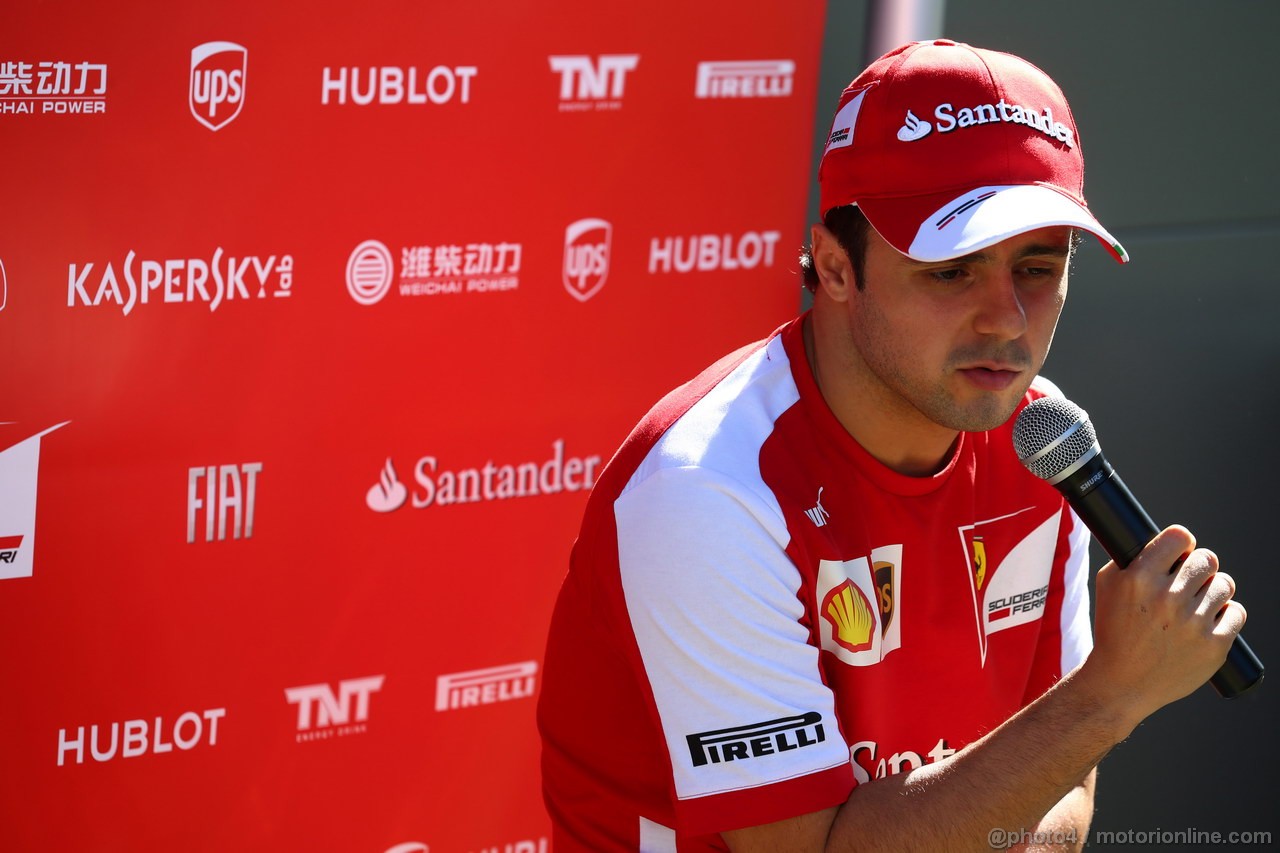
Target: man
817, 602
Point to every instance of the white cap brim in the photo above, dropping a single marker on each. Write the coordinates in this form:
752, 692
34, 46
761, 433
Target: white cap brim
987, 215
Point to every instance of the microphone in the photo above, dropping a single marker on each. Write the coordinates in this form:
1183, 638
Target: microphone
1055, 439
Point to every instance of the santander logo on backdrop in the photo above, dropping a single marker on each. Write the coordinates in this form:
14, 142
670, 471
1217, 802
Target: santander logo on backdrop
388, 494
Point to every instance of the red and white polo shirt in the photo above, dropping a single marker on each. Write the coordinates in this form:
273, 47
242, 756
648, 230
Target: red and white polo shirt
759, 616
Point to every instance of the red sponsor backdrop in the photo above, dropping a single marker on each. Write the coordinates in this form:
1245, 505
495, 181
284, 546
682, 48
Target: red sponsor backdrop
338, 349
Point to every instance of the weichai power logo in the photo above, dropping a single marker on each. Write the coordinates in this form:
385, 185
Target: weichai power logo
52, 86
369, 272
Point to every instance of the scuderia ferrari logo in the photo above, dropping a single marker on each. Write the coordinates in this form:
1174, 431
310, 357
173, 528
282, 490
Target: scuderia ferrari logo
1010, 560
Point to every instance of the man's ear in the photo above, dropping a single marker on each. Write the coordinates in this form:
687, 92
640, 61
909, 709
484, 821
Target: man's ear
831, 263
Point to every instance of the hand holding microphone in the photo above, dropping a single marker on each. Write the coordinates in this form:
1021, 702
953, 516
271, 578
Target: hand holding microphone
1056, 441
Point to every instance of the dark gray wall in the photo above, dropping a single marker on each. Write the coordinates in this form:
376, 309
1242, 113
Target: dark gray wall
1176, 356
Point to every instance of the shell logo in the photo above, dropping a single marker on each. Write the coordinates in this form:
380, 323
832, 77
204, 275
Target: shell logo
851, 616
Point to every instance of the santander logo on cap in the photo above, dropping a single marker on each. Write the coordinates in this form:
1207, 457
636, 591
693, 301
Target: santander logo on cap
949, 119
913, 128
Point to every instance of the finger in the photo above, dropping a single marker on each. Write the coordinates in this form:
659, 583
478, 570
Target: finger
1195, 572
1231, 620
1215, 594
1164, 550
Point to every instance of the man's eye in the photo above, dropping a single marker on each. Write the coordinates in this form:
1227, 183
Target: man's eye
947, 275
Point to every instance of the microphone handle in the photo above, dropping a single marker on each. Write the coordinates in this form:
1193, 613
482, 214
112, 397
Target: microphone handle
1123, 528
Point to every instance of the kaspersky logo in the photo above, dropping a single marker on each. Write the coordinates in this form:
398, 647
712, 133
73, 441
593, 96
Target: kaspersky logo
19, 476
948, 119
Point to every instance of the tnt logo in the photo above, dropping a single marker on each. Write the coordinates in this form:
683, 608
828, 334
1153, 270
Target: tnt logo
217, 82
585, 82
322, 714
229, 492
586, 257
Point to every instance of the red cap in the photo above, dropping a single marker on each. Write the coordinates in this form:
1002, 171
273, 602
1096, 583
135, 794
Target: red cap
949, 148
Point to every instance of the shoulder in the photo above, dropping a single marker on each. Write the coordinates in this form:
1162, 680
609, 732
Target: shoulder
716, 421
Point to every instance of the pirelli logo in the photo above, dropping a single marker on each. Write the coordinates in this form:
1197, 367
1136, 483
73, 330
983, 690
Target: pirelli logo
486, 686
767, 738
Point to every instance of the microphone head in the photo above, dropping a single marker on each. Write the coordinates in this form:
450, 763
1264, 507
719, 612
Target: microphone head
1054, 437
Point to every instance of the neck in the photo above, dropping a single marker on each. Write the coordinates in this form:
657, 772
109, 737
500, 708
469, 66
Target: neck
893, 431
